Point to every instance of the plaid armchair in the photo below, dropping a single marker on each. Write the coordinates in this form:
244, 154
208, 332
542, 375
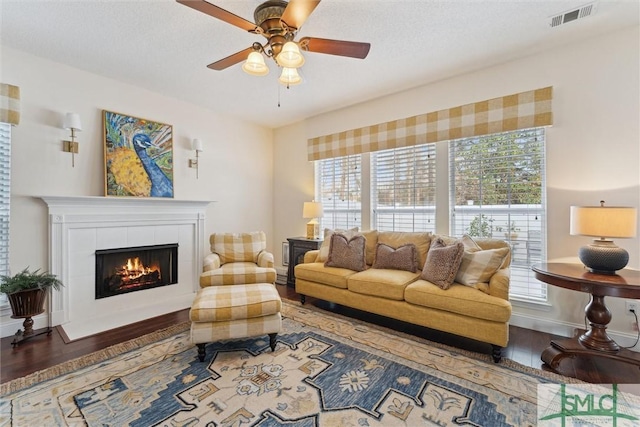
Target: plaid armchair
237, 259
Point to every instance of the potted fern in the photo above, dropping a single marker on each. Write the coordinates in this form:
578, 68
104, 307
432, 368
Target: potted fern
27, 293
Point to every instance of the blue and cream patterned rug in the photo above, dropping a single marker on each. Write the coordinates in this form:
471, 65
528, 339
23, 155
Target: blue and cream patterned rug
327, 370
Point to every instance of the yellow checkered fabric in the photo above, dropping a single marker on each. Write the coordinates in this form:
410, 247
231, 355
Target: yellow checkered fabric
238, 247
225, 303
9, 104
206, 332
237, 273
518, 111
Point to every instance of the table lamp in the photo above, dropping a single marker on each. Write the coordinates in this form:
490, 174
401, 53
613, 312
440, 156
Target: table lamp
605, 222
312, 210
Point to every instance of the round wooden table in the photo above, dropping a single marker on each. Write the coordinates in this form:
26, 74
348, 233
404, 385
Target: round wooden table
595, 341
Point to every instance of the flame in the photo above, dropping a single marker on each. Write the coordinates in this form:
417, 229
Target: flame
134, 269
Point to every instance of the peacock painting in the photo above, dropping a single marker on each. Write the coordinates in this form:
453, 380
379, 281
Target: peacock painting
138, 157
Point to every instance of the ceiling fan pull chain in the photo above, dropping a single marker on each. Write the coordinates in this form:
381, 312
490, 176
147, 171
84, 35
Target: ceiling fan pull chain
278, 96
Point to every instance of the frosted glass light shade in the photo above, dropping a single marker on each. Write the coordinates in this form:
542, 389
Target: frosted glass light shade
290, 77
72, 121
255, 65
603, 221
290, 56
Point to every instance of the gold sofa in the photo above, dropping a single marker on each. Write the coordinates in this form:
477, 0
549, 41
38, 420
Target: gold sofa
480, 312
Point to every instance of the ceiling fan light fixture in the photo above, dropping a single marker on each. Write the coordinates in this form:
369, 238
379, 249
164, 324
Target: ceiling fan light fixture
290, 77
290, 56
255, 65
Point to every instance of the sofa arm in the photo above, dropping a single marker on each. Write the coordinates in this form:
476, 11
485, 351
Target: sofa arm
265, 259
310, 256
499, 284
211, 262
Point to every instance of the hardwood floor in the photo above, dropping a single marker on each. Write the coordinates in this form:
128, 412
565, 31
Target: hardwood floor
525, 346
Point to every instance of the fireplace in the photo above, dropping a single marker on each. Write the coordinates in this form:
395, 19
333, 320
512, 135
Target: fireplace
124, 270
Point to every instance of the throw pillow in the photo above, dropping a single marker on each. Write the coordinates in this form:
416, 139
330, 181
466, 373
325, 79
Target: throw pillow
470, 244
346, 253
478, 266
442, 263
403, 258
323, 255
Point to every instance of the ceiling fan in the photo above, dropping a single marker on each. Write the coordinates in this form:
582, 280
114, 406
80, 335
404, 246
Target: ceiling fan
278, 21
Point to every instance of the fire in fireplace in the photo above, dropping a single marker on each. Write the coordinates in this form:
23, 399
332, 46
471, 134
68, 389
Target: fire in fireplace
125, 270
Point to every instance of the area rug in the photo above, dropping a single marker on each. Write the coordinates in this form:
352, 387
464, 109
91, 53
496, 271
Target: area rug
326, 370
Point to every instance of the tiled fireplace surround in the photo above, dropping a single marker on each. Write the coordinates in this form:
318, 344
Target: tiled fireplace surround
78, 226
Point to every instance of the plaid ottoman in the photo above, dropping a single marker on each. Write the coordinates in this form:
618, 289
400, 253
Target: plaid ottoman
235, 311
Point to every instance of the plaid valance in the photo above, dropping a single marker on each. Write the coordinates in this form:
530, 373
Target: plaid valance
9, 104
519, 111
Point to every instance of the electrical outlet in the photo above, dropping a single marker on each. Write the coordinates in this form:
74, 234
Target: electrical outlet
632, 305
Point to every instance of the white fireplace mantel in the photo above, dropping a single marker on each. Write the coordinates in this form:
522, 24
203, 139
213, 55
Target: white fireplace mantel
78, 226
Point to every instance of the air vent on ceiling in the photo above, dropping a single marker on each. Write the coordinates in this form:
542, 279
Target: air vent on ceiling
573, 14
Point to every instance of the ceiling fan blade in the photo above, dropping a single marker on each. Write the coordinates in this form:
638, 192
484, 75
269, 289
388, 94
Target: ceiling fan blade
335, 47
218, 12
297, 11
231, 60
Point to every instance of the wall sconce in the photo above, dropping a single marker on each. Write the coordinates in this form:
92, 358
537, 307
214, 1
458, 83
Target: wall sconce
71, 122
196, 145
312, 210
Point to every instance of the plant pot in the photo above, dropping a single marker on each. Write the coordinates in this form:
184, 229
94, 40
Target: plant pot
25, 304
511, 236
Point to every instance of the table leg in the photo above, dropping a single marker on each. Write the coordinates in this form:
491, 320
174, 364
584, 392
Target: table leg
599, 316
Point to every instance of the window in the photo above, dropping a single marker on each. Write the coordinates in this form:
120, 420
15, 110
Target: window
339, 182
497, 190
5, 189
403, 189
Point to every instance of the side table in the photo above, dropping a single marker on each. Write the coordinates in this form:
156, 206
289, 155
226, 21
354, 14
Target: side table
298, 246
595, 341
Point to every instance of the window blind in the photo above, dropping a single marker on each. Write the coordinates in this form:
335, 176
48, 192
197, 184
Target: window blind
404, 188
339, 187
497, 187
5, 194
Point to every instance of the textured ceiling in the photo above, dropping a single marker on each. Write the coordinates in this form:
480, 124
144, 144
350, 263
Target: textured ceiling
164, 46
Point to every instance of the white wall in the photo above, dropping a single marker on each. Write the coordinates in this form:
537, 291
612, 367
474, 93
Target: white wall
592, 149
236, 168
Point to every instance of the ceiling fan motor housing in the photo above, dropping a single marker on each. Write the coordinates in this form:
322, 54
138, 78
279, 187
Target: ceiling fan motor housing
267, 16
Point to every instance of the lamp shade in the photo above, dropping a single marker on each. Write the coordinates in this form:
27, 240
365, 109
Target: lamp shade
312, 210
255, 65
9, 104
290, 56
603, 221
290, 77
196, 145
72, 121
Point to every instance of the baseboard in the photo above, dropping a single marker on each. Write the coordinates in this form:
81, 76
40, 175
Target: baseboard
9, 326
567, 329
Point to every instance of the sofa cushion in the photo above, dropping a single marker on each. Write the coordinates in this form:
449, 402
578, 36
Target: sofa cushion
326, 243
381, 283
395, 239
346, 253
404, 257
459, 299
370, 247
442, 263
478, 266
238, 247
317, 272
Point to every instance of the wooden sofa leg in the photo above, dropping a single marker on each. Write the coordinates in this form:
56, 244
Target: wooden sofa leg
496, 353
201, 351
303, 299
272, 341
